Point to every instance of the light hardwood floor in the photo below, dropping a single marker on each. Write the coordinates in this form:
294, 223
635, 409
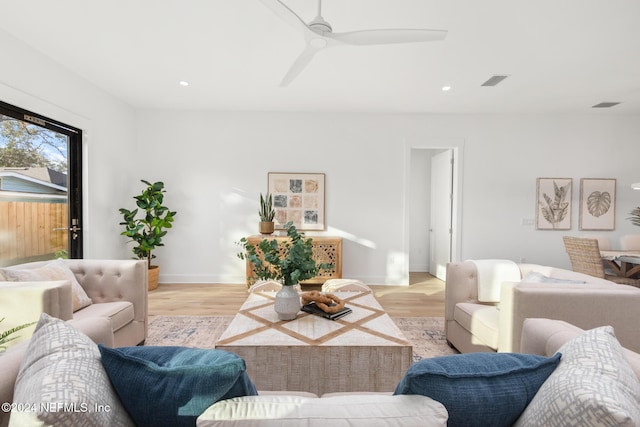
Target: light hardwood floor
424, 297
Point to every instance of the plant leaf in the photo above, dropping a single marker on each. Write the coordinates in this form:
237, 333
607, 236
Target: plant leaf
599, 203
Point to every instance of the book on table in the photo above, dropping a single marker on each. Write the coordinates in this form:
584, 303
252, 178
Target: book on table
314, 309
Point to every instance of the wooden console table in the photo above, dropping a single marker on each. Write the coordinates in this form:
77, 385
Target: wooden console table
325, 250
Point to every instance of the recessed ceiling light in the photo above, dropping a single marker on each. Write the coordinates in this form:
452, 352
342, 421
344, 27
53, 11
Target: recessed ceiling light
183, 83
446, 88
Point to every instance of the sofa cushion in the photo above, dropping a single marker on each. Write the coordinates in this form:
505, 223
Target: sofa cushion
479, 389
119, 313
62, 381
536, 277
353, 410
480, 320
172, 386
55, 270
593, 383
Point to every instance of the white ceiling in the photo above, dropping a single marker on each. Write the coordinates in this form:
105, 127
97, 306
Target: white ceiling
560, 55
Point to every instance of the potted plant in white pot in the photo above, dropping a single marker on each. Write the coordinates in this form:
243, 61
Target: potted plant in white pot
148, 230
267, 213
290, 262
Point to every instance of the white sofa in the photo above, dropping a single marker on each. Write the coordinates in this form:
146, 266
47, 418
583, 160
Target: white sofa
117, 315
540, 336
472, 325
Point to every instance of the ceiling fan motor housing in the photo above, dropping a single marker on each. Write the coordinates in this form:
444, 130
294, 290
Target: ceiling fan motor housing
319, 24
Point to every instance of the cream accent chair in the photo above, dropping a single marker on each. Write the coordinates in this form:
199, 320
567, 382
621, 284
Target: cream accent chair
472, 326
266, 286
344, 285
117, 288
630, 242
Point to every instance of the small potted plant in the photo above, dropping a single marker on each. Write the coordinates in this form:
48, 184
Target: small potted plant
148, 230
267, 213
290, 262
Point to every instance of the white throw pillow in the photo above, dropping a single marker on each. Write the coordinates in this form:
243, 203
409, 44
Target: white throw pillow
62, 382
593, 385
55, 270
355, 410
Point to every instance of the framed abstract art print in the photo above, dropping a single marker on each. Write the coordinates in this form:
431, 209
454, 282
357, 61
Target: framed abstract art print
299, 198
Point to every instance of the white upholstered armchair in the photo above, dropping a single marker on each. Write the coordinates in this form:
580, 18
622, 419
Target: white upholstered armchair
580, 299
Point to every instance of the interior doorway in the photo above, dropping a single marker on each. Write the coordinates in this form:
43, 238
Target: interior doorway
433, 206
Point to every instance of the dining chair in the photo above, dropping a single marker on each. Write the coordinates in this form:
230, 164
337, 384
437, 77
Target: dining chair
584, 254
630, 242
603, 241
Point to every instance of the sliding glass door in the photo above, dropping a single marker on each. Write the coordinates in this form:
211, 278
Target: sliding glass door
40, 187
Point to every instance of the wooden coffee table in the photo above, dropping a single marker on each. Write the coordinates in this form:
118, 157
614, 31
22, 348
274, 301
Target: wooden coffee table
363, 351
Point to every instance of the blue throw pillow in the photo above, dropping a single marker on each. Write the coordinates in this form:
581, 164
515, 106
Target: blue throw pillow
172, 386
480, 389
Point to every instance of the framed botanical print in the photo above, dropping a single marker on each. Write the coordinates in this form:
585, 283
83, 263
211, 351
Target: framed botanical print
597, 204
553, 203
299, 198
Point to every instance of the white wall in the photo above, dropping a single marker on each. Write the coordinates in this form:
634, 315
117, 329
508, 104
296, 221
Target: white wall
215, 165
34, 82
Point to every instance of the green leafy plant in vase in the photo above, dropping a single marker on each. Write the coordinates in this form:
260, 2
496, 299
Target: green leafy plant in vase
290, 262
148, 229
266, 213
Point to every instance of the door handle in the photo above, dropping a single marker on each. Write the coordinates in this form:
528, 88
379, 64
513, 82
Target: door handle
73, 229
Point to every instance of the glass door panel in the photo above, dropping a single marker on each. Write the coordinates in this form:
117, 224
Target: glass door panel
40, 210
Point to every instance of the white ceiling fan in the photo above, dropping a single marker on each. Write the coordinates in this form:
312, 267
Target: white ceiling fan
318, 35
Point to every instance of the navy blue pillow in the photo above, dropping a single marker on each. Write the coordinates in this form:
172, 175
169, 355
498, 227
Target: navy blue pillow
480, 389
172, 386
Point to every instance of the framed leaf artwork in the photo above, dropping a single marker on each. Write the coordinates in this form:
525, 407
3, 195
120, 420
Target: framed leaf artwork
298, 197
597, 204
553, 204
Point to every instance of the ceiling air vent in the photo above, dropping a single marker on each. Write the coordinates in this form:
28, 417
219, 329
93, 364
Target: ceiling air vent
606, 105
494, 80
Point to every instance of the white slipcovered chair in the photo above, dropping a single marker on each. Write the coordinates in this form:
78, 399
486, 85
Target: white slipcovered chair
630, 242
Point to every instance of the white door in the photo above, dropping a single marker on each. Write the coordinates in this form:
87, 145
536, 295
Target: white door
441, 213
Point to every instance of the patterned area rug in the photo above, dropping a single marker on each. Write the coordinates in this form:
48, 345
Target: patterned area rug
426, 334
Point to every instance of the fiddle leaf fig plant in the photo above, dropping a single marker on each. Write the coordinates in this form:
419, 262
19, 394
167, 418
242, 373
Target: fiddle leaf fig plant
147, 230
291, 261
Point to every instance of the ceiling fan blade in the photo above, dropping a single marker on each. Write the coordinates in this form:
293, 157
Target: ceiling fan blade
370, 37
286, 14
299, 64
